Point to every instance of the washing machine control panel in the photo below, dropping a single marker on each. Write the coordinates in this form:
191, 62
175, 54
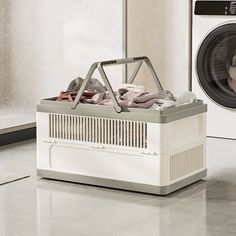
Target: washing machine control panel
215, 8
232, 8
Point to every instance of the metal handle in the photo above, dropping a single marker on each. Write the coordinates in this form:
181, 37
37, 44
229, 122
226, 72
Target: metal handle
100, 65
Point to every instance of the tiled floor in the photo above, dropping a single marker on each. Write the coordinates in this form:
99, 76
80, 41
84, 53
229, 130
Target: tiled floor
33, 207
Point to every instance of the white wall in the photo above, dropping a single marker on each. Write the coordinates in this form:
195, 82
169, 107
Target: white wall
160, 29
47, 43
2, 61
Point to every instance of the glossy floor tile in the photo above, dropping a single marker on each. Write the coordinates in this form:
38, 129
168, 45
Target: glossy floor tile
40, 207
15, 117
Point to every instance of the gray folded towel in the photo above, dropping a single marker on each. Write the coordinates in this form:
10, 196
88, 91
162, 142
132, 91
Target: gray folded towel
75, 84
94, 85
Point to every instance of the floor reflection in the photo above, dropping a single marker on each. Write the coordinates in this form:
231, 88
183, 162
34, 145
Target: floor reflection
41, 207
72, 208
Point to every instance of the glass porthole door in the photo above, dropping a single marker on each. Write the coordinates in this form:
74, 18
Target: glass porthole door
216, 65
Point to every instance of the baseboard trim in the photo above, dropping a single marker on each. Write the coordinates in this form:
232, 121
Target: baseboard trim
18, 136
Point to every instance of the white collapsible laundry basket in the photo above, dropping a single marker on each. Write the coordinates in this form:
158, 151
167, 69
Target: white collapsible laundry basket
152, 151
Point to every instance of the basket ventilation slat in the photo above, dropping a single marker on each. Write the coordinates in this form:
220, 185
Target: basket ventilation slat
98, 130
186, 162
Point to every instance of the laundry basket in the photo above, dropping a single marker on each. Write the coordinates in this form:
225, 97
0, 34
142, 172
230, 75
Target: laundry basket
144, 150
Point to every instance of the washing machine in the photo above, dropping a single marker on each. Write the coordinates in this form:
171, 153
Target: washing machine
214, 63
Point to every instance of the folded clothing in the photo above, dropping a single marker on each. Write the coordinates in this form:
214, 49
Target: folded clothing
94, 85
134, 88
232, 74
128, 98
185, 98
129, 95
69, 96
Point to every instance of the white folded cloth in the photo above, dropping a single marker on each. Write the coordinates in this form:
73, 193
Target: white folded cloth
186, 97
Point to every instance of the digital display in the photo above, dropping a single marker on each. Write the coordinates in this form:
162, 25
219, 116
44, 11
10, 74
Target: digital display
215, 8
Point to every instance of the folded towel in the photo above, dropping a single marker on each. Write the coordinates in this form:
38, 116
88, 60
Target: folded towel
128, 98
129, 95
186, 97
94, 85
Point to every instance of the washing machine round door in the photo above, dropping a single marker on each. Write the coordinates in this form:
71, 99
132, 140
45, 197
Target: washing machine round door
216, 65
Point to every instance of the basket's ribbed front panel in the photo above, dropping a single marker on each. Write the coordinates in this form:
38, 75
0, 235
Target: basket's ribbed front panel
98, 130
186, 162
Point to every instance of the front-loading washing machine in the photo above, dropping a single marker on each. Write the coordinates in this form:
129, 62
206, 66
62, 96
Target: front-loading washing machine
214, 63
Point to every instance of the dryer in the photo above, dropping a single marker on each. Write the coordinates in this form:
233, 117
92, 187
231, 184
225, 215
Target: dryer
214, 63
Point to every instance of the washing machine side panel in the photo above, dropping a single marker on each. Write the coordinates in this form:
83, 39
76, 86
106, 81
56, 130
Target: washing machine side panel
221, 121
